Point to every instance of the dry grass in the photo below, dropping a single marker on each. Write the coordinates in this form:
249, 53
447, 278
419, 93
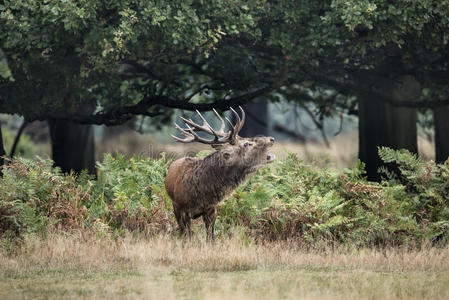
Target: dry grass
74, 265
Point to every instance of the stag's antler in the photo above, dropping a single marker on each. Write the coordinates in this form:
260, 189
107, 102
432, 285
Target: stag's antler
220, 136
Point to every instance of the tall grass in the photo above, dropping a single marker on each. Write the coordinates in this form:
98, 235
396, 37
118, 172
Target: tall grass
81, 265
88, 251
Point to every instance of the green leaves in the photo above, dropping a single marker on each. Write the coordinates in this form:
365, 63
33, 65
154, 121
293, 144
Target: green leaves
128, 183
355, 13
427, 184
68, 51
5, 72
322, 206
287, 200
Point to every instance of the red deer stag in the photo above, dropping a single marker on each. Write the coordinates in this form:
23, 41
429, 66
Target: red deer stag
196, 186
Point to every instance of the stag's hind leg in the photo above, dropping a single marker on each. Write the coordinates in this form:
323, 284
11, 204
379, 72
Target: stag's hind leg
209, 217
184, 222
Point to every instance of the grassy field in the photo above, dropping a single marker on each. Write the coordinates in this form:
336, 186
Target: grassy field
88, 266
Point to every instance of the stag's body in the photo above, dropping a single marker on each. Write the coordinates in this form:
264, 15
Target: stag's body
196, 186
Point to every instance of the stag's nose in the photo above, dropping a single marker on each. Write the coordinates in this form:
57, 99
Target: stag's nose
272, 140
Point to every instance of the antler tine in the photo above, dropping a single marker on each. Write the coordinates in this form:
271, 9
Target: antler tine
192, 136
231, 132
236, 115
203, 140
184, 130
223, 125
237, 125
186, 140
205, 127
242, 122
191, 123
189, 137
205, 123
220, 135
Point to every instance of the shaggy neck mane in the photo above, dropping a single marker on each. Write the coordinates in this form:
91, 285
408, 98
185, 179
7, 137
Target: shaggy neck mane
212, 160
213, 171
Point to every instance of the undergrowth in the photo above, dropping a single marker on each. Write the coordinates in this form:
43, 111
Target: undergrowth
288, 200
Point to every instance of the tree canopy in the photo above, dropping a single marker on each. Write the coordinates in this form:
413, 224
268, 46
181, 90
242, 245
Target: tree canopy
140, 57
127, 57
337, 43
5, 72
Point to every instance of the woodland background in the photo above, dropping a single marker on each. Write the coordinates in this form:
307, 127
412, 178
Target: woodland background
355, 92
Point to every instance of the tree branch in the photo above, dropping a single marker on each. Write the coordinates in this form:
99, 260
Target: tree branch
201, 89
17, 138
317, 124
117, 116
350, 88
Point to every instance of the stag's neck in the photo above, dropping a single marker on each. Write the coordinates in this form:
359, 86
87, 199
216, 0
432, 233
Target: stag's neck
220, 178
214, 164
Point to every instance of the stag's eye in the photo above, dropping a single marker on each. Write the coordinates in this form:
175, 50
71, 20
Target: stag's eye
226, 155
245, 144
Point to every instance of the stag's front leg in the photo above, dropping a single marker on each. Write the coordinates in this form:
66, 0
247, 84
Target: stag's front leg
209, 217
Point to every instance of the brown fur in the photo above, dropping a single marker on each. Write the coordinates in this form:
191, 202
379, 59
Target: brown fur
196, 186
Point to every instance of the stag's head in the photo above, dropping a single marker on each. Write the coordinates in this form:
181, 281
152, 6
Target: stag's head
244, 153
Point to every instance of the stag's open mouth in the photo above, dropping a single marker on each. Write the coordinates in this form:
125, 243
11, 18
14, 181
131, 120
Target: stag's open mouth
270, 158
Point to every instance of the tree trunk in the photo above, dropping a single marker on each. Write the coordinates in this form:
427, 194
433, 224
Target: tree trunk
73, 146
256, 118
2, 152
381, 124
373, 133
441, 121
